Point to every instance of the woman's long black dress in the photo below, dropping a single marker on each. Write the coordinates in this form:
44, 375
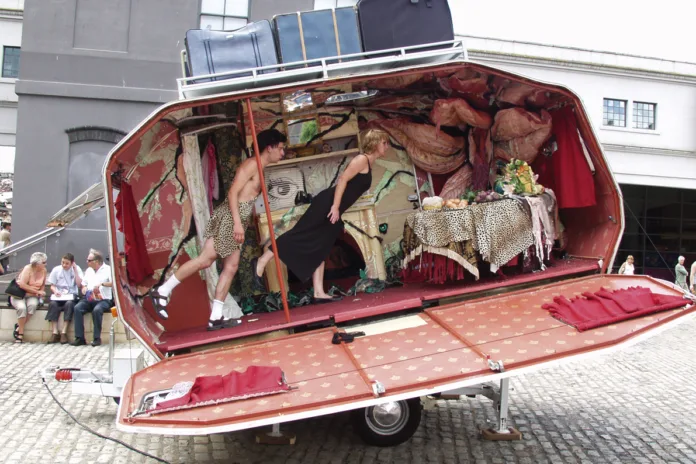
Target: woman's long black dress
304, 247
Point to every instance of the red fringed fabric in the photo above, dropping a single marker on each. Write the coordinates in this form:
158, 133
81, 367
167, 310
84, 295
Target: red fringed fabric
592, 310
137, 260
214, 389
433, 268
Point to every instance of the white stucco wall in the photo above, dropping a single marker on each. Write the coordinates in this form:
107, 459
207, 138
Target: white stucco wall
664, 157
10, 35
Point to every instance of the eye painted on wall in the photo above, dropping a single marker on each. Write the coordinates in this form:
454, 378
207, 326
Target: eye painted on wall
282, 188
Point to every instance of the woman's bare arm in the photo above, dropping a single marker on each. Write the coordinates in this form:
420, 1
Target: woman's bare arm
354, 167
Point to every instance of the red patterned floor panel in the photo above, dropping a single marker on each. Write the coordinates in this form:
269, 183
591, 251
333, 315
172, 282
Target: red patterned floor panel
427, 351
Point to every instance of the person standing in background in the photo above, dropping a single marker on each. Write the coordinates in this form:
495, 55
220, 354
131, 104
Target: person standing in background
692, 277
681, 274
627, 268
5, 240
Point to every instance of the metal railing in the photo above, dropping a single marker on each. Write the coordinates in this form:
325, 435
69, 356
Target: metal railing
320, 68
31, 241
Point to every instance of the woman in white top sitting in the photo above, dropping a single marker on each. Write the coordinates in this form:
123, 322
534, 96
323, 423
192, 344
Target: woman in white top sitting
627, 268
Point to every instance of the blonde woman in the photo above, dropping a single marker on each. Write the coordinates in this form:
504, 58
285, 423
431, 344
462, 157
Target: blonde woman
305, 247
627, 268
31, 279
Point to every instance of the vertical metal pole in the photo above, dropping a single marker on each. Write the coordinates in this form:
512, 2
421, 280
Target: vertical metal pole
112, 340
267, 206
503, 413
415, 179
432, 187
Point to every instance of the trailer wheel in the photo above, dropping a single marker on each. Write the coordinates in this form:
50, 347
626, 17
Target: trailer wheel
388, 424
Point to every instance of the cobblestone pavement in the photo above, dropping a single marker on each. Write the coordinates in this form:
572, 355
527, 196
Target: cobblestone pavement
633, 406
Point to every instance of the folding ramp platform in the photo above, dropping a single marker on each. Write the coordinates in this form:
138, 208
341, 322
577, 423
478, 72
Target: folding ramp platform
438, 350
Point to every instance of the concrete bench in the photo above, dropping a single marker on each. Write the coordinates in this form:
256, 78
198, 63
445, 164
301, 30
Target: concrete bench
39, 329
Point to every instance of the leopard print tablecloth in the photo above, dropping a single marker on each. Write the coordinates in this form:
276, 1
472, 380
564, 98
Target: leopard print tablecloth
498, 230
461, 252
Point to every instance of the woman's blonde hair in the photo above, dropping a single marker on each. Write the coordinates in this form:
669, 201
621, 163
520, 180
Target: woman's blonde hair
37, 258
371, 138
630, 257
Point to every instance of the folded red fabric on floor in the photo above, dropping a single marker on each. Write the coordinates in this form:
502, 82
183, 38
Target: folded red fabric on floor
592, 310
215, 389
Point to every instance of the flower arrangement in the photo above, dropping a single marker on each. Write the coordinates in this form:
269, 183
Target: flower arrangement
518, 178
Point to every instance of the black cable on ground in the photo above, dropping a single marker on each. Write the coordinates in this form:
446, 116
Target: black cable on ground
96, 433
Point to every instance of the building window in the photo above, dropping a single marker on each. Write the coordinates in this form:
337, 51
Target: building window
224, 15
644, 115
10, 62
326, 4
614, 112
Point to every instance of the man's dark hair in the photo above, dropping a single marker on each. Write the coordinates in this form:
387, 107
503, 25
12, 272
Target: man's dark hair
269, 138
5, 225
70, 257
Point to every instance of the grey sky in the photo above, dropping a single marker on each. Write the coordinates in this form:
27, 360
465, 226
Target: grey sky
663, 29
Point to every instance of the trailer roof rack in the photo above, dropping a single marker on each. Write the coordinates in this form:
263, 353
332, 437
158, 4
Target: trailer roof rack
320, 68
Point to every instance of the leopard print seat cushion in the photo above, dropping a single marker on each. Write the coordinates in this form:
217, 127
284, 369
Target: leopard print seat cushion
499, 230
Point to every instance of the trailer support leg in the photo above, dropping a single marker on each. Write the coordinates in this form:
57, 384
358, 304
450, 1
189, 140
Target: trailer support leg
276, 437
502, 432
112, 341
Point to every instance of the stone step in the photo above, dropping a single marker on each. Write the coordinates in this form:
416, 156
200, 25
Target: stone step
38, 329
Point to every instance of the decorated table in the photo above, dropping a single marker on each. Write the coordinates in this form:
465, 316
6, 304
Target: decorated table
497, 231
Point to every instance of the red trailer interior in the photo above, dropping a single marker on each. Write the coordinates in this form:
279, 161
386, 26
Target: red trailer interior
152, 161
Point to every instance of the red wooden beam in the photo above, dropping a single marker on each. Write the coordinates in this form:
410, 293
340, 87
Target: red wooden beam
264, 192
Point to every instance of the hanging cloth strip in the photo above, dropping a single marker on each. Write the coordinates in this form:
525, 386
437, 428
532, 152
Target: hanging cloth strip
210, 174
137, 260
542, 209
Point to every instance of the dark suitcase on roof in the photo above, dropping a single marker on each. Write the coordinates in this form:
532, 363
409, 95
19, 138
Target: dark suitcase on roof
317, 34
212, 52
388, 24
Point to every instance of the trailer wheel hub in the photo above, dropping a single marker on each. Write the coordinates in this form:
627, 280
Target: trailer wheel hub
387, 418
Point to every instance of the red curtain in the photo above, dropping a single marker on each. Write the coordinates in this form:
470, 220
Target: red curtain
137, 260
592, 310
567, 172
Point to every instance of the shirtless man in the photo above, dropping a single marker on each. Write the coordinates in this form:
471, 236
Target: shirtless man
224, 233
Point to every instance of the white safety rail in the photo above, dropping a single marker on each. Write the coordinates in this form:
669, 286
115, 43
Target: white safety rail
321, 68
